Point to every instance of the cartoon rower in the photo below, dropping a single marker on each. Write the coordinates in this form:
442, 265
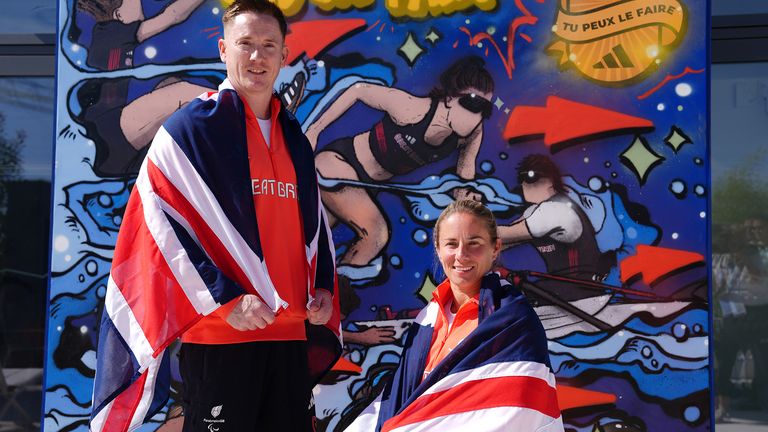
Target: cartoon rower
558, 228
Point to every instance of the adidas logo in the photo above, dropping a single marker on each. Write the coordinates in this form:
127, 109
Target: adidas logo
616, 58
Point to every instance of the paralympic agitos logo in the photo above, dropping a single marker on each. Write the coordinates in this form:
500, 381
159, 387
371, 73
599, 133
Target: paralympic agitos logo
617, 42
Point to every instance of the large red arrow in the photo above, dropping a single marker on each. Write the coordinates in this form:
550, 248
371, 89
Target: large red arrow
654, 262
563, 120
312, 37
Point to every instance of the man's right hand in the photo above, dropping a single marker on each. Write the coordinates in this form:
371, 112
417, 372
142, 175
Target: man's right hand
250, 314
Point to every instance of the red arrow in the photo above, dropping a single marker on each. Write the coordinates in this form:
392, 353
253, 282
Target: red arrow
563, 120
312, 37
344, 366
654, 262
574, 397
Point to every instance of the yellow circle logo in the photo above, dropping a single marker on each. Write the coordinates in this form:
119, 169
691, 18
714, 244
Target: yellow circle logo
616, 42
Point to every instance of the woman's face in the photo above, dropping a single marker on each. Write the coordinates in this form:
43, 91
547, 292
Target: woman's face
466, 251
467, 110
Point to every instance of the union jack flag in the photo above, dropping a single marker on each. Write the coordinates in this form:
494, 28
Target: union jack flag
497, 379
188, 243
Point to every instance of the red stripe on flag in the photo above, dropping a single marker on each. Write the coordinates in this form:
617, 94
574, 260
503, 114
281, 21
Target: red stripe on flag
124, 405
208, 239
147, 283
514, 391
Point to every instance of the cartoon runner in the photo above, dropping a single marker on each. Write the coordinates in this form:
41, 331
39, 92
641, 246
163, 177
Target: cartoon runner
415, 131
121, 26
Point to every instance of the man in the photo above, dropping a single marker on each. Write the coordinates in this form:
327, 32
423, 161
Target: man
226, 209
558, 228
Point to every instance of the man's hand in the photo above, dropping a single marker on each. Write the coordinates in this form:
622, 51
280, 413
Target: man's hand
250, 314
321, 308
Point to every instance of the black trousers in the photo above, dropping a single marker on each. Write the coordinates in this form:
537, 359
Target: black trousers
247, 387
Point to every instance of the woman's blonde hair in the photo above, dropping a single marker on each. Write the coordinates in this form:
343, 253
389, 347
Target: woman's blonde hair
470, 207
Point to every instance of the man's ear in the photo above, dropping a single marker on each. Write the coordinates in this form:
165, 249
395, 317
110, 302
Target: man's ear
285, 55
222, 50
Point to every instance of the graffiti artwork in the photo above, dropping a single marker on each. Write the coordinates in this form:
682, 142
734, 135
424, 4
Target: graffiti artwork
580, 124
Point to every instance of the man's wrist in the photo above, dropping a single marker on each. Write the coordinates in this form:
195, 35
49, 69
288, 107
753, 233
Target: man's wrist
227, 308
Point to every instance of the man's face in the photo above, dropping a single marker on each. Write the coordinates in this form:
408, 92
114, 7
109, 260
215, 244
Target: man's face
254, 51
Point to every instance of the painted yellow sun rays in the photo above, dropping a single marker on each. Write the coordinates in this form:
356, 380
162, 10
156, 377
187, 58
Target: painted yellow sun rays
397, 8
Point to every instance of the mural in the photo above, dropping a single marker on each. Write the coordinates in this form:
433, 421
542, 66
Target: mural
605, 99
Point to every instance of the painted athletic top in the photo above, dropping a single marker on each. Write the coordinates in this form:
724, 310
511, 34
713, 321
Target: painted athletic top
113, 45
578, 258
402, 149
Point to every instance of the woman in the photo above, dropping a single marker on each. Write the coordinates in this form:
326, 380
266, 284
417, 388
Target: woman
476, 357
414, 131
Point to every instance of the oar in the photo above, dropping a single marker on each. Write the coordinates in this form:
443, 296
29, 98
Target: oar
518, 278
595, 285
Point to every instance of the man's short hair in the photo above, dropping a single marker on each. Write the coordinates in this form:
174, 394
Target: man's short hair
262, 7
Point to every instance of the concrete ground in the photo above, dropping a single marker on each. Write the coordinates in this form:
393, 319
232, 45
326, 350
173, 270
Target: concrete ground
743, 421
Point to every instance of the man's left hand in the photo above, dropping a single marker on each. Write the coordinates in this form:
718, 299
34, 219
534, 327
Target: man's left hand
321, 308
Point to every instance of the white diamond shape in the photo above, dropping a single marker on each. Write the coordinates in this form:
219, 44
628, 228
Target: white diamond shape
410, 49
640, 158
677, 138
433, 36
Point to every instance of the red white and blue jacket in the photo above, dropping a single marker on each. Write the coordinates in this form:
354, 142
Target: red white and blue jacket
189, 243
497, 379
